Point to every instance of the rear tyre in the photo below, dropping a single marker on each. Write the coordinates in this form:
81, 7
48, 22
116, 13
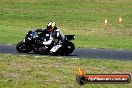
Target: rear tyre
68, 48
23, 48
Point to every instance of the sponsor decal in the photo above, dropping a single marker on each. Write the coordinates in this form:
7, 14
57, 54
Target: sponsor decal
83, 78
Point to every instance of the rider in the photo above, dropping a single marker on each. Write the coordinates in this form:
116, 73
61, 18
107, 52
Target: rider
55, 35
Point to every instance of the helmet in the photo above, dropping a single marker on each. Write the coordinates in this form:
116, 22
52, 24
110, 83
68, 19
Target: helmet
51, 25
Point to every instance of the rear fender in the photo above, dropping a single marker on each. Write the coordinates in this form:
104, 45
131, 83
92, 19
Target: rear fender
69, 37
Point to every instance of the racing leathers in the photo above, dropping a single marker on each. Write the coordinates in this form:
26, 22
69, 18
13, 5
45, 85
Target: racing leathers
57, 37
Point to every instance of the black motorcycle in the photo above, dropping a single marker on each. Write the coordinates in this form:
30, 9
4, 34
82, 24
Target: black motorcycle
30, 44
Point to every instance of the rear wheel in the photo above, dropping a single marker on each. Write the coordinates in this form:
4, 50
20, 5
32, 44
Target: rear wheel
68, 48
23, 48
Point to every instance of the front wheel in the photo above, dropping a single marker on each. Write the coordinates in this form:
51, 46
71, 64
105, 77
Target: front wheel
23, 48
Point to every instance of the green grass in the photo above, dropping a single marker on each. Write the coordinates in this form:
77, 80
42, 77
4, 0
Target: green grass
84, 18
56, 72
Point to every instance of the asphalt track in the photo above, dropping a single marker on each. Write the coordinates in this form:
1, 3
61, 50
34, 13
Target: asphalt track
81, 53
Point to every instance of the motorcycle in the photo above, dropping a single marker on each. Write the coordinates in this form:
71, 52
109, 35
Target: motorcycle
30, 44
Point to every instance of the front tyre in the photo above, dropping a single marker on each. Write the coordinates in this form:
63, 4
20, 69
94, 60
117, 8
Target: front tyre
23, 48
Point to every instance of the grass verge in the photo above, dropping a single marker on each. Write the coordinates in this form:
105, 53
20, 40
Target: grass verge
55, 72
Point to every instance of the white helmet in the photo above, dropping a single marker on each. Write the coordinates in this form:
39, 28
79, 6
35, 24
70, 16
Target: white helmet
51, 25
